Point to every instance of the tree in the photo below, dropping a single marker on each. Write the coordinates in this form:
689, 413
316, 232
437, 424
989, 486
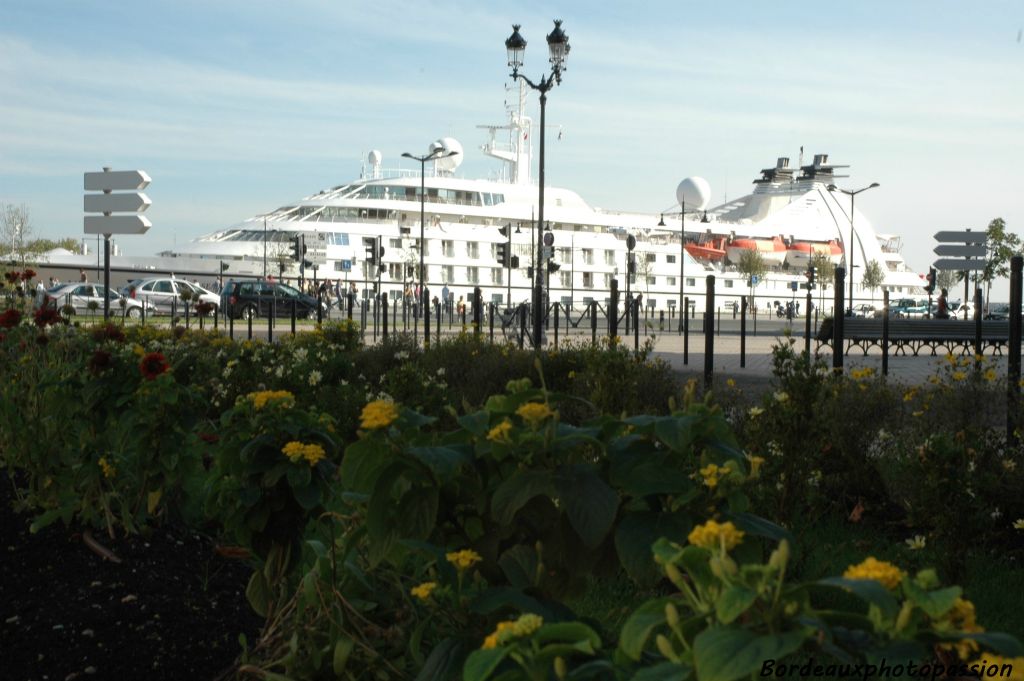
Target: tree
825, 273
752, 265
946, 279
1001, 246
874, 277
15, 227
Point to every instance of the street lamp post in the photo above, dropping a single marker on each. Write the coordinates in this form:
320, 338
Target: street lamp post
558, 48
849, 250
435, 153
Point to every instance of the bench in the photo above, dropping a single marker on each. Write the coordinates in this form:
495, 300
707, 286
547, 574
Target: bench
916, 334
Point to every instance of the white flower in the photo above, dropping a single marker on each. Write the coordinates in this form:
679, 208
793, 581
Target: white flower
916, 543
996, 514
314, 377
279, 372
781, 396
755, 412
440, 372
402, 355
300, 354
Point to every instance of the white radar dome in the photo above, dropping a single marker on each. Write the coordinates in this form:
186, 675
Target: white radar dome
695, 192
374, 158
448, 144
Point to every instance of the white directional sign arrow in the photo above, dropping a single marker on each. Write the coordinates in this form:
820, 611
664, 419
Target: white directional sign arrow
128, 202
965, 237
117, 180
955, 265
116, 224
962, 250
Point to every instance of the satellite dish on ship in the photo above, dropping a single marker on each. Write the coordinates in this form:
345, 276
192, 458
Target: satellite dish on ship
694, 192
447, 145
374, 158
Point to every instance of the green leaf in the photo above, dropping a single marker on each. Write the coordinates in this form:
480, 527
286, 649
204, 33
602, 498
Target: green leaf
635, 537
363, 462
638, 628
481, 663
588, 501
443, 462
477, 423
696, 563
568, 632
867, 590
519, 564
443, 661
342, 649
728, 654
308, 496
417, 512
935, 603
1004, 644
733, 602
676, 432
512, 494
663, 671
643, 473
758, 526
257, 592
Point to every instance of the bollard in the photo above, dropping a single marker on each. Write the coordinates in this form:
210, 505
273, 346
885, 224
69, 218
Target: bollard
837, 320
593, 322
556, 325
885, 333
216, 318
490, 311
709, 333
719, 321
743, 332
249, 318
977, 326
522, 324
351, 303
636, 323
478, 309
294, 315
384, 317
362, 317
807, 329
1013, 351
661, 320
686, 330
319, 306
613, 311
231, 326
270, 319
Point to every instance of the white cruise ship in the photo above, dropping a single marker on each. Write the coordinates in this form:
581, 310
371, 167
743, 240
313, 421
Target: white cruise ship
789, 215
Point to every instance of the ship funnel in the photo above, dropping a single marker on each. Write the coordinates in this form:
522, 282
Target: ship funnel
820, 160
783, 162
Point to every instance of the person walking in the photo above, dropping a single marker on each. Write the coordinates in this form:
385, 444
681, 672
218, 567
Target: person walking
943, 306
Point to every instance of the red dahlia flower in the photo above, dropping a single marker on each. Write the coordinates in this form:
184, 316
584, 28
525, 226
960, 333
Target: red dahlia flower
28, 274
47, 316
10, 318
12, 277
152, 365
100, 361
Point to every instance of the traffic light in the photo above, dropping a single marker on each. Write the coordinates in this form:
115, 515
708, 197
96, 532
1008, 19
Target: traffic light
515, 262
370, 243
630, 264
811, 273
296, 247
930, 288
503, 255
380, 255
553, 267
504, 230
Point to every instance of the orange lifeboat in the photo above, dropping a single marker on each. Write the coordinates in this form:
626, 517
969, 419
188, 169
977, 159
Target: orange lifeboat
773, 251
800, 252
707, 248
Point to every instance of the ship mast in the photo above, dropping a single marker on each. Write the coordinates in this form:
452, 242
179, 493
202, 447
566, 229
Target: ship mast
517, 153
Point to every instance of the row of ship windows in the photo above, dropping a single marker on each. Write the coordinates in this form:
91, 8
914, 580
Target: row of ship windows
280, 236
588, 256
494, 275
433, 195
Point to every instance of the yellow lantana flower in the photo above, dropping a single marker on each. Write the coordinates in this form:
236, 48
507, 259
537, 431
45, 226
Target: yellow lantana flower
712, 534
500, 432
463, 560
378, 414
522, 627
712, 474
108, 469
424, 590
887, 574
961, 617
264, 397
534, 413
297, 451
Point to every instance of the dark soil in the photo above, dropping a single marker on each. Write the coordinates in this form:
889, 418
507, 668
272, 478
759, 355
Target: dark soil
172, 609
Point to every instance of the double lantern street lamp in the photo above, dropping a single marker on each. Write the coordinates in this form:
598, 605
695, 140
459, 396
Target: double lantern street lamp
849, 249
436, 151
558, 49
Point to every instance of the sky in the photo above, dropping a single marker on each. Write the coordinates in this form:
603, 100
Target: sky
236, 108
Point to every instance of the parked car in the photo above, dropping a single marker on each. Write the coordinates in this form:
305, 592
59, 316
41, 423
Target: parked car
79, 295
249, 299
864, 310
165, 293
908, 307
998, 311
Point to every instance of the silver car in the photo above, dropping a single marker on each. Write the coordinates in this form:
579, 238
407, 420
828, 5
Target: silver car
164, 293
79, 296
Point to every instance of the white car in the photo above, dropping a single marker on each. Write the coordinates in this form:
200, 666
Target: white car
165, 293
79, 296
